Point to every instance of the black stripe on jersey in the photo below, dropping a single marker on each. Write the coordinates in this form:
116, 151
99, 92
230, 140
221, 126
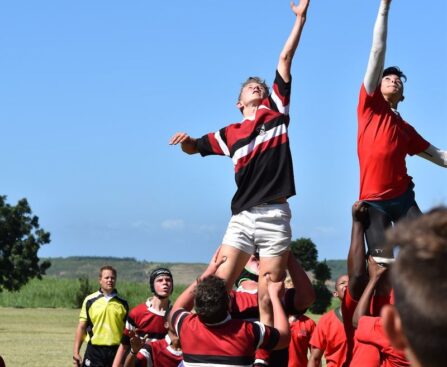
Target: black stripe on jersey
210, 359
284, 89
204, 146
123, 302
257, 332
176, 322
279, 120
253, 191
223, 135
156, 335
273, 340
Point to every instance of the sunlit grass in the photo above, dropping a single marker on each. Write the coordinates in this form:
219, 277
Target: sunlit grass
52, 292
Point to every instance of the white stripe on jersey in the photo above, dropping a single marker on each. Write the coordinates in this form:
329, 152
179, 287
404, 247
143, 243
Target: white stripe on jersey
282, 109
261, 334
146, 355
222, 144
177, 320
129, 326
247, 149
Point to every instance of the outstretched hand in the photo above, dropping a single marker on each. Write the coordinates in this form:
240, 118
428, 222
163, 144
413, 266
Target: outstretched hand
301, 8
136, 342
179, 138
188, 144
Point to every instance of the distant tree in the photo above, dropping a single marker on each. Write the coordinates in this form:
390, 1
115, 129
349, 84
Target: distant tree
306, 252
322, 300
85, 288
322, 272
20, 240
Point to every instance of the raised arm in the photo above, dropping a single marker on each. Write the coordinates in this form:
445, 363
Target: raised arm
357, 271
288, 51
304, 292
435, 155
362, 309
188, 144
377, 56
136, 343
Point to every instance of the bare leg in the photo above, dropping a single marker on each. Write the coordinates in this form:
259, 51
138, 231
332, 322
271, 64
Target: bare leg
233, 265
276, 267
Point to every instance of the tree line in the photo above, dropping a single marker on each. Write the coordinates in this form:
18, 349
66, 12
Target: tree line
21, 237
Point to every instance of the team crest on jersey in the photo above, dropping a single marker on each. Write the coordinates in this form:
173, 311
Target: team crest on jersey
261, 130
88, 362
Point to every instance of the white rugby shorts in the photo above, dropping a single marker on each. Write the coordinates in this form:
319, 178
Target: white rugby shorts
265, 226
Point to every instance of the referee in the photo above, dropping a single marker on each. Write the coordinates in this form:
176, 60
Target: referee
102, 319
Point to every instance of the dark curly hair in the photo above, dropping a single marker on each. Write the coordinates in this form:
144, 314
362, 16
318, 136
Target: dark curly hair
394, 70
211, 300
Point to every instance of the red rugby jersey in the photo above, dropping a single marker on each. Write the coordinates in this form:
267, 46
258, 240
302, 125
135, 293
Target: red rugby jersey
159, 353
383, 141
370, 331
300, 333
329, 336
260, 151
145, 320
230, 343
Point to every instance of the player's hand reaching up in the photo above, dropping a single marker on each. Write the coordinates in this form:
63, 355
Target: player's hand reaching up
136, 342
301, 8
189, 145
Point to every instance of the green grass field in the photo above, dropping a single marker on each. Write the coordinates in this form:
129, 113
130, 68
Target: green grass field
37, 324
37, 337
40, 337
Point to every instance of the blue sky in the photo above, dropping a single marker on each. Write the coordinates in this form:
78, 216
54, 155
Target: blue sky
91, 92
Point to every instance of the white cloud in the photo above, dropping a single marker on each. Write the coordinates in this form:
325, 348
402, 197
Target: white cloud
173, 224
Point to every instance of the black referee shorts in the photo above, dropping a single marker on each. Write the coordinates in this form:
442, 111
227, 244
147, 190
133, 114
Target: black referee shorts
99, 355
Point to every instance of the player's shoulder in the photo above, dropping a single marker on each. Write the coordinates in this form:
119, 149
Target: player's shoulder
328, 316
140, 308
93, 296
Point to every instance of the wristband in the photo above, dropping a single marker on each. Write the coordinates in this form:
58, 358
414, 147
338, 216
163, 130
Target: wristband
132, 352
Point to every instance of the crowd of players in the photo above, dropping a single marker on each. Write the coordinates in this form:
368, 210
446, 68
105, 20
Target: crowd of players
389, 315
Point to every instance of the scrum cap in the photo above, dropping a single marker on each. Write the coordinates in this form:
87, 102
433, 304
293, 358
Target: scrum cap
156, 273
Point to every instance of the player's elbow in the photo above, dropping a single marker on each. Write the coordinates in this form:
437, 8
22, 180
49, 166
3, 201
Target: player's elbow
444, 160
286, 58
